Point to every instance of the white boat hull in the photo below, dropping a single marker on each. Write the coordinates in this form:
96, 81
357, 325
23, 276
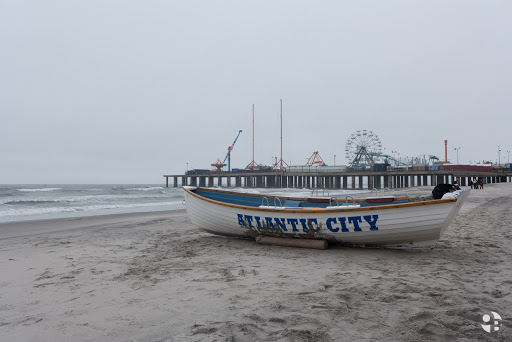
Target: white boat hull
409, 225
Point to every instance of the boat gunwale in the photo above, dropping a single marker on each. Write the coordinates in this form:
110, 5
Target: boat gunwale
319, 210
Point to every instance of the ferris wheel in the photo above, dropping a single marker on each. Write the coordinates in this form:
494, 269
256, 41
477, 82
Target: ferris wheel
363, 148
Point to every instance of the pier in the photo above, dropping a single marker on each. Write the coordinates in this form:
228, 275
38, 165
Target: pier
337, 180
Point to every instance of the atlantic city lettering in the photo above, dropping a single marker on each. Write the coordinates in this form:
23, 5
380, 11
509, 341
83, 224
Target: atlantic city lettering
334, 224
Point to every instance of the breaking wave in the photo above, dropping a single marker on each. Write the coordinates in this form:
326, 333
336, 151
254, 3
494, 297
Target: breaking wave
39, 189
149, 188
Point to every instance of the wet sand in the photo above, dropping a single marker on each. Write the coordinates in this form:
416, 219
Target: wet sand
155, 277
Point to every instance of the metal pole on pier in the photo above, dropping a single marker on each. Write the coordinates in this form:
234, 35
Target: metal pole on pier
253, 137
281, 132
281, 161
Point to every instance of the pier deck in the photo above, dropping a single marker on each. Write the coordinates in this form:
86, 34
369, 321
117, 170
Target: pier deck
336, 180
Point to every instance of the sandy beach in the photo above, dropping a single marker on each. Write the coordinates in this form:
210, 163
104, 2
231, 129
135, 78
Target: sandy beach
155, 277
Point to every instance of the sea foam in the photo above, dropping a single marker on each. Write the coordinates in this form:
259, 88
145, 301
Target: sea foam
39, 189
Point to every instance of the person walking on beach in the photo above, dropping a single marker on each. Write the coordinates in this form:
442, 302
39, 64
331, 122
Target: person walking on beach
474, 183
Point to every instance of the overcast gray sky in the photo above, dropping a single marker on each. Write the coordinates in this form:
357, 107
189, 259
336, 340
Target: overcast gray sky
126, 91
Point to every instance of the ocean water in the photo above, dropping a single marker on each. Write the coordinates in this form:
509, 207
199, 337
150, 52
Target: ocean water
35, 202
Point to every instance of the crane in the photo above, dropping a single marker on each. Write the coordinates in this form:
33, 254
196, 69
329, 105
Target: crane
230, 148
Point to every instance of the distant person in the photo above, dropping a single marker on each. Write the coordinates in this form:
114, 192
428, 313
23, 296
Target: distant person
471, 183
442, 189
476, 183
456, 184
481, 183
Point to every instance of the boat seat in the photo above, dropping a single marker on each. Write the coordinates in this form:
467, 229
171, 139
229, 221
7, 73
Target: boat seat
383, 199
303, 208
271, 207
350, 206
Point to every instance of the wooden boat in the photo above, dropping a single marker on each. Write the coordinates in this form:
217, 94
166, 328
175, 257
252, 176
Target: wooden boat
387, 221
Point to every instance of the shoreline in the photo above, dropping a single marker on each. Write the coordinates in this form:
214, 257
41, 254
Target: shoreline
153, 276
63, 224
